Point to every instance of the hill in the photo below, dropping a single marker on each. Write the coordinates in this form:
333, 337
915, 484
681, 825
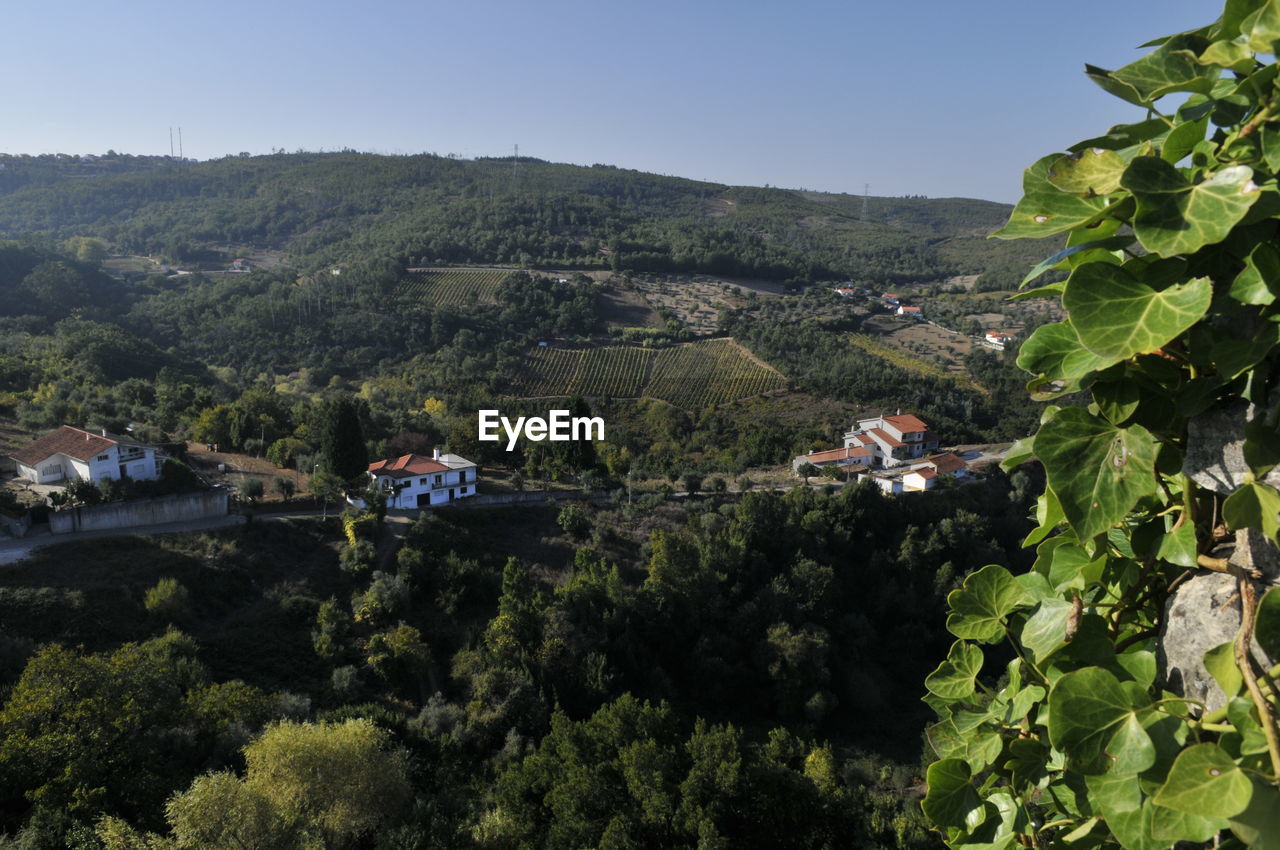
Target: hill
333, 208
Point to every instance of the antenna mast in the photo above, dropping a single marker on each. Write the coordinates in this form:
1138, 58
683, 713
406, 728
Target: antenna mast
179, 143
170, 143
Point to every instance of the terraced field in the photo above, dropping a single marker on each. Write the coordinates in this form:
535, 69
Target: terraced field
689, 376
452, 287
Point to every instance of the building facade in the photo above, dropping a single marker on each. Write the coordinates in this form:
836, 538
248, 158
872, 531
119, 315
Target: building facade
74, 454
416, 481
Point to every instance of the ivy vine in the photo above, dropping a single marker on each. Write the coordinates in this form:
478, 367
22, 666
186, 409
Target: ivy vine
1173, 270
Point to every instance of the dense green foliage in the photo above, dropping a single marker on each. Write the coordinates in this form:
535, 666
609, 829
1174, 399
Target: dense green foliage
543, 694
1092, 736
423, 210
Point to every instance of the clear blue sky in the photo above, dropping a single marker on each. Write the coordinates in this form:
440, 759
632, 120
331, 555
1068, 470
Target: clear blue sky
930, 97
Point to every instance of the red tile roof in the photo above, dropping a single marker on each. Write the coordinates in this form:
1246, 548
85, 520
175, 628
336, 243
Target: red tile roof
407, 466
924, 472
947, 463
73, 442
906, 423
831, 455
884, 436
905, 309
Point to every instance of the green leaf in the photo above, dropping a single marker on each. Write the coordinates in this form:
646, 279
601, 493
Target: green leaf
1128, 813
1205, 781
1255, 505
1044, 209
954, 678
979, 606
1174, 66
1140, 664
1085, 708
1221, 664
1065, 563
1170, 825
1048, 518
1177, 217
1234, 54
1055, 354
1019, 453
1092, 171
1263, 27
1117, 316
1097, 471
1260, 280
1130, 748
952, 800
1266, 623
1045, 631
1179, 546
1113, 243
1258, 826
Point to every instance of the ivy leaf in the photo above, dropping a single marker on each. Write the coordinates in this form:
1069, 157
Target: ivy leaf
1174, 66
952, 800
979, 607
1258, 826
1048, 518
1266, 623
1019, 453
1097, 470
1128, 813
1130, 748
1263, 27
1045, 209
1259, 281
1056, 356
1117, 316
1255, 505
953, 679
1092, 171
1179, 546
1221, 664
1205, 781
1085, 707
1045, 631
1113, 243
1176, 217
1170, 825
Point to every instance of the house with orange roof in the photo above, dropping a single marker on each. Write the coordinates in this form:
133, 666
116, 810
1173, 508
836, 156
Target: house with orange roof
74, 454
848, 458
417, 481
893, 440
913, 312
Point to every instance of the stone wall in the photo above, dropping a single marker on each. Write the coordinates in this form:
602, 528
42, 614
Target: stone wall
183, 507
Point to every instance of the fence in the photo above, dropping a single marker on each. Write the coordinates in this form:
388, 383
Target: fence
183, 507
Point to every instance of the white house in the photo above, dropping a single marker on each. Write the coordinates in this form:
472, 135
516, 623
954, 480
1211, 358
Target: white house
416, 481
913, 312
998, 339
74, 454
893, 440
925, 474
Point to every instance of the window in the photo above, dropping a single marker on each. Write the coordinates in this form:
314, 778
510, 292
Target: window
422, 482
463, 491
104, 457
438, 480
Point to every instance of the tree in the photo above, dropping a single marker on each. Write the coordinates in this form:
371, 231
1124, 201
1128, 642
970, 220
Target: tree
1170, 336
252, 489
285, 486
305, 785
168, 600
573, 520
326, 487
808, 470
342, 441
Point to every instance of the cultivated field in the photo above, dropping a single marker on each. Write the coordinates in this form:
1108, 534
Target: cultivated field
689, 376
452, 287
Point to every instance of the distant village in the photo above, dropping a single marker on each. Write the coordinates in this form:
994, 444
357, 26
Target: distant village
896, 453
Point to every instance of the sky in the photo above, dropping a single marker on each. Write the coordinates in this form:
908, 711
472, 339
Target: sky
944, 99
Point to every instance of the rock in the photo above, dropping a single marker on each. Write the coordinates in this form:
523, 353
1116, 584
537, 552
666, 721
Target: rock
1215, 447
1202, 614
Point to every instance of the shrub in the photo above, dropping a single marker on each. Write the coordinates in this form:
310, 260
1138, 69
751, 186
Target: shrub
168, 600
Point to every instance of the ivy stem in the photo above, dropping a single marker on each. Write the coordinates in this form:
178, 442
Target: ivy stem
1248, 609
1025, 660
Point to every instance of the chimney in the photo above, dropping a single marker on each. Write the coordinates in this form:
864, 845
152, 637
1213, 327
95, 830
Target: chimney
435, 454
104, 432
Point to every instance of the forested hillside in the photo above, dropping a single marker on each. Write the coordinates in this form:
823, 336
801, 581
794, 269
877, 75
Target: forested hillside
325, 209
